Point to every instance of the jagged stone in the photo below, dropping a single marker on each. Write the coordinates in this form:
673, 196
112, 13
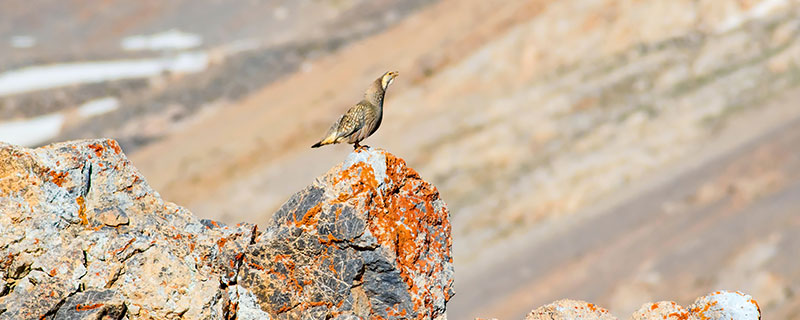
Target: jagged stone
79, 224
82, 236
368, 239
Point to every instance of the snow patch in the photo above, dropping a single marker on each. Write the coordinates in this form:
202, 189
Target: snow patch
31, 132
22, 42
98, 106
58, 75
240, 46
168, 40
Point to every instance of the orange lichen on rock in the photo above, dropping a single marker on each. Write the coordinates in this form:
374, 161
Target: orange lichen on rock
84, 307
704, 307
407, 217
662, 310
403, 219
98, 149
255, 266
369, 239
309, 218
569, 309
717, 305
115, 146
725, 305
58, 177
156, 250
364, 181
123, 248
755, 303
82, 210
681, 315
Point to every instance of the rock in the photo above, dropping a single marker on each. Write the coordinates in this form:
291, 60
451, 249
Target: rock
720, 305
569, 309
81, 227
368, 239
92, 304
83, 236
662, 310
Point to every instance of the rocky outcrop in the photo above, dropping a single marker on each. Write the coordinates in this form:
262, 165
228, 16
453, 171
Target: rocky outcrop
371, 238
720, 305
83, 236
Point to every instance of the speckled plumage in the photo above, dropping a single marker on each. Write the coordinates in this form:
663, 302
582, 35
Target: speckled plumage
362, 119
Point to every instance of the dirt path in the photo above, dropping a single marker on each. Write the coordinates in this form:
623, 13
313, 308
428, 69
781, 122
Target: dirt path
729, 223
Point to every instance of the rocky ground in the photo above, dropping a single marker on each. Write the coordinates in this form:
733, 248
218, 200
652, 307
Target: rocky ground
82, 235
533, 118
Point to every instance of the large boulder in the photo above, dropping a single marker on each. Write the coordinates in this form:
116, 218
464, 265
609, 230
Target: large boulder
370, 239
82, 236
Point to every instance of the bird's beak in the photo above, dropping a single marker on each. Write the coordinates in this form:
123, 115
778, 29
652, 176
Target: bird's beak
388, 78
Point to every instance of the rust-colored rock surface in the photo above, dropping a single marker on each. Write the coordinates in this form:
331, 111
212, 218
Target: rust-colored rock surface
369, 239
83, 236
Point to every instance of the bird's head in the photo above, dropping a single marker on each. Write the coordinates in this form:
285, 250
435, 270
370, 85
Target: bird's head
387, 79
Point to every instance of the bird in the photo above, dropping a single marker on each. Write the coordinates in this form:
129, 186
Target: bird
362, 119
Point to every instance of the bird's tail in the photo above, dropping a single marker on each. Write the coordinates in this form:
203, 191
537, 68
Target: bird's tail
328, 140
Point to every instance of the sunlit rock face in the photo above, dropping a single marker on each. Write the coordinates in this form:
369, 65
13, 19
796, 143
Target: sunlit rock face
82, 235
370, 238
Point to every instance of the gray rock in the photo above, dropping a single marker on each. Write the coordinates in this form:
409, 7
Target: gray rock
83, 228
92, 304
368, 239
82, 236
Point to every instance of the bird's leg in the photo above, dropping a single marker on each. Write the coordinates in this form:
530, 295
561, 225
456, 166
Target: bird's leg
356, 146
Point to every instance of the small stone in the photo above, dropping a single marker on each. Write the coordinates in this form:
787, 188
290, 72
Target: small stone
723, 305
569, 309
113, 217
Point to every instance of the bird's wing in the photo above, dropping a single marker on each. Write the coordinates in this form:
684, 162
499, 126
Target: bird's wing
352, 120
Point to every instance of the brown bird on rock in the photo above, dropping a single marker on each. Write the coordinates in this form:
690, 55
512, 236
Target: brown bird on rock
363, 119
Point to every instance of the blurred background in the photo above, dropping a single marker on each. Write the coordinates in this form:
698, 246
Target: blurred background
615, 151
